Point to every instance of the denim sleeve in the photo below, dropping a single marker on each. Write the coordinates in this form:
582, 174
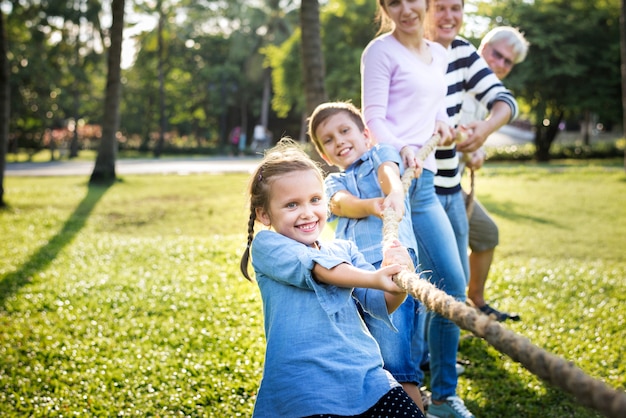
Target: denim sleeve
371, 300
383, 153
284, 260
334, 183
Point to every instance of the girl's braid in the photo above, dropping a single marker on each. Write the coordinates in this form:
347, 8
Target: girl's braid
245, 258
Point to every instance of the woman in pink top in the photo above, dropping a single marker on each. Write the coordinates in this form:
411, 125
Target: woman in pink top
403, 82
403, 102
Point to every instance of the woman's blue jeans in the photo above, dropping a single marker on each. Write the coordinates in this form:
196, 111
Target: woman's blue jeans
454, 205
440, 262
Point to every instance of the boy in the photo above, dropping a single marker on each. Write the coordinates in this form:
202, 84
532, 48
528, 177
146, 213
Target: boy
368, 183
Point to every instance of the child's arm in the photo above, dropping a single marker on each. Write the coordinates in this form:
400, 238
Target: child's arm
346, 275
345, 204
391, 185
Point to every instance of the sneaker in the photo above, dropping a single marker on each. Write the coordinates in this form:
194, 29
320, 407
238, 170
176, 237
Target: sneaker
459, 369
453, 407
426, 397
497, 315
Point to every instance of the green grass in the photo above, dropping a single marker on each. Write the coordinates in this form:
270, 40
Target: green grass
127, 300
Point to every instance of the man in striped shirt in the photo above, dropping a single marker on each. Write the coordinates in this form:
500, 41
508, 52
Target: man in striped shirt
467, 72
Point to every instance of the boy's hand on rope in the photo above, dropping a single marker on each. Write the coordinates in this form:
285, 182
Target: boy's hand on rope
395, 201
395, 253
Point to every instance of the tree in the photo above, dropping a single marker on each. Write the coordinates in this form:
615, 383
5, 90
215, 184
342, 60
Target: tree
5, 87
572, 67
312, 56
622, 25
104, 169
344, 35
55, 68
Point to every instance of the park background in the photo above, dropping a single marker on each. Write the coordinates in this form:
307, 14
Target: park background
124, 297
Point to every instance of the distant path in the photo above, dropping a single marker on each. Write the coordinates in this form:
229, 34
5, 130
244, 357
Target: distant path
179, 166
506, 136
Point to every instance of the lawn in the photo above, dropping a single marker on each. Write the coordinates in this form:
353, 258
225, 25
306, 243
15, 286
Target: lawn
127, 300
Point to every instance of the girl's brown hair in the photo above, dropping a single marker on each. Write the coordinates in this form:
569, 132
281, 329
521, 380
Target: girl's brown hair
285, 157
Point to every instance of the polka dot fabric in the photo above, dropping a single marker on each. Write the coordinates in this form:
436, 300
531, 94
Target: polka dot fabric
395, 404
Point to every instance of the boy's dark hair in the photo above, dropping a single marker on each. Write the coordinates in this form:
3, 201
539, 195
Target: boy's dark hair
326, 110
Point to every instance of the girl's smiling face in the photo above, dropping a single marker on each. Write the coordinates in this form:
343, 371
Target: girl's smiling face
297, 206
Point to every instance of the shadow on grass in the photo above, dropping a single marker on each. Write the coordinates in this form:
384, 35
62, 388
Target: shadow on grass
508, 210
46, 254
510, 394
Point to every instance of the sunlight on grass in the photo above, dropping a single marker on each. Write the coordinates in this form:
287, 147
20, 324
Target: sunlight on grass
128, 300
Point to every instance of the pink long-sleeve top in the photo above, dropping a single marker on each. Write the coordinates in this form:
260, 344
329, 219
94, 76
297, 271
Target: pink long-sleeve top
402, 96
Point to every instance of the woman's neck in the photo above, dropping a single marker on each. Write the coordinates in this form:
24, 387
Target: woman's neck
414, 43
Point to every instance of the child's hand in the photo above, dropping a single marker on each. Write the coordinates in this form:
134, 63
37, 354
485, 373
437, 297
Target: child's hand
396, 253
376, 206
395, 201
384, 278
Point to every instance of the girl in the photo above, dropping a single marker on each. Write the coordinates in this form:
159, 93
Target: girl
320, 360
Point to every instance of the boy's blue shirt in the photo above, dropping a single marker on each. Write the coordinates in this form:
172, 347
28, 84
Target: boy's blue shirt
361, 180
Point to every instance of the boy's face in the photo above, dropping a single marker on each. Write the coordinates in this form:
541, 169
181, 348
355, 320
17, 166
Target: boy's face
342, 140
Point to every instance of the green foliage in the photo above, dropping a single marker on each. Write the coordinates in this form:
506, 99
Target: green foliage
347, 27
127, 300
286, 67
572, 66
54, 71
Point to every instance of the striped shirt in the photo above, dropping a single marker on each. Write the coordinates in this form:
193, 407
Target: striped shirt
467, 72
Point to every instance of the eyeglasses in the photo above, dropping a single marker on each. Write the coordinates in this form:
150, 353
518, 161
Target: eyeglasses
497, 55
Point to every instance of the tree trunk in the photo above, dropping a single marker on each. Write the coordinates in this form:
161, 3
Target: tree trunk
545, 136
5, 104
542, 145
313, 71
622, 25
586, 127
158, 150
265, 103
104, 170
312, 57
76, 96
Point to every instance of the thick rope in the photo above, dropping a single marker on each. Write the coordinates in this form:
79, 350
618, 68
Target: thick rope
469, 199
561, 373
